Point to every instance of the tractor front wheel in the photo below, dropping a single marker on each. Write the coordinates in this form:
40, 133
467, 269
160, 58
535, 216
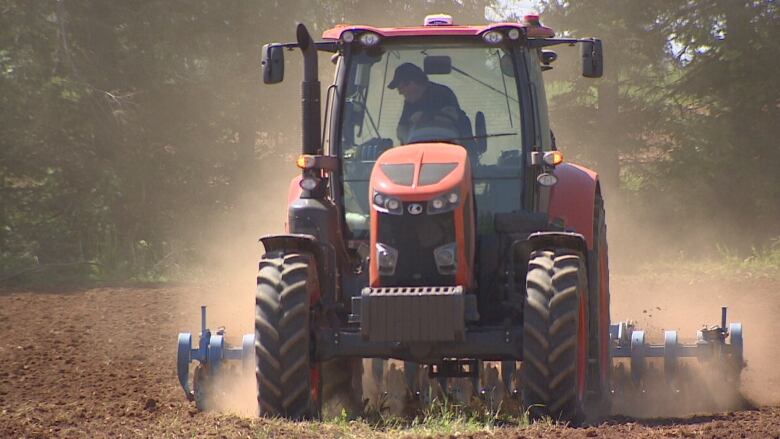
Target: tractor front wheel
555, 336
282, 337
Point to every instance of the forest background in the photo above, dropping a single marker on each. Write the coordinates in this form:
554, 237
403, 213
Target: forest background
136, 136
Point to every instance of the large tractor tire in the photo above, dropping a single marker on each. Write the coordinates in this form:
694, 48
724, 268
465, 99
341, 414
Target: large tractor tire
555, 337
282, 316
600, 359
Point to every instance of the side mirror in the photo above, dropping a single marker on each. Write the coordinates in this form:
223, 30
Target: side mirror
592, 59
273, 64
548, 57
437, 65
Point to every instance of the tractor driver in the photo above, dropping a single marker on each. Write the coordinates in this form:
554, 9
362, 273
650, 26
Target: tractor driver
426, 103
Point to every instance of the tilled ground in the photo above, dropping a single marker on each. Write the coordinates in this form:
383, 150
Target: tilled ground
101, 362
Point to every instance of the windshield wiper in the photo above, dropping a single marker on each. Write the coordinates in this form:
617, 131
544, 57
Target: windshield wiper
470, 76
482, 137
456, 139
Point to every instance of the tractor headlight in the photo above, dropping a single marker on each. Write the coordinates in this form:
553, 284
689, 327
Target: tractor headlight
386, 259
369, 39
347, 36
309, 183
444, 203
446, 258
493, 37
387, 204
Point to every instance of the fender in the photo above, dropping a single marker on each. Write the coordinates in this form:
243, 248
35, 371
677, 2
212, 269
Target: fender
573, 198
539, 240
299, 243
522, 249
294, 242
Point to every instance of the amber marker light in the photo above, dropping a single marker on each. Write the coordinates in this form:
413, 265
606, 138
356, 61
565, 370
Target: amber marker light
553, 158
305, 161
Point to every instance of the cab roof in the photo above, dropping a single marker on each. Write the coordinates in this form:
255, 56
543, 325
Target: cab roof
532, 31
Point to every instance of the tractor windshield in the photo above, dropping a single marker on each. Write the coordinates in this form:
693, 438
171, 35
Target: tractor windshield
462, 93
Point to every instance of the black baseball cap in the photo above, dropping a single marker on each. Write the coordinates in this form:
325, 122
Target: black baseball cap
407, 72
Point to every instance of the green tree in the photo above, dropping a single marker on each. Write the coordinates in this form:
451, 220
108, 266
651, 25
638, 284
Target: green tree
686, 113
128, 128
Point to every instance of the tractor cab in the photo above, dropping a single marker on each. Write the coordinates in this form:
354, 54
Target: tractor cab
408, 103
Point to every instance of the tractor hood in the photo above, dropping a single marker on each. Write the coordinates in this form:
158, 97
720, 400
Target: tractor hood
420, 171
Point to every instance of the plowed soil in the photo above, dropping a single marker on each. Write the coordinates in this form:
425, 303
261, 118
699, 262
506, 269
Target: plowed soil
101, 362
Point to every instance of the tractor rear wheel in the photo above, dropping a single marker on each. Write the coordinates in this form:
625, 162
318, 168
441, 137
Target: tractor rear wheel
555, 336
599, 393
282, 337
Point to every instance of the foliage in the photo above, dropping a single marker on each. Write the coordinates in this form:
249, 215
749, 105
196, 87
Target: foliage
128, 128
687, 111
726, 263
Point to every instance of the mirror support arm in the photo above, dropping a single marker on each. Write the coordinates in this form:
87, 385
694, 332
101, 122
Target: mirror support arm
535, 43
321, 46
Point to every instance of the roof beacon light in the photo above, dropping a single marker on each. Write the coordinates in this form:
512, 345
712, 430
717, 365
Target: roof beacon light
531, 19
438, 20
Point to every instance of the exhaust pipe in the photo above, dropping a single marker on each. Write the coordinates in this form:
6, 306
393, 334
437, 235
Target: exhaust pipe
311, 93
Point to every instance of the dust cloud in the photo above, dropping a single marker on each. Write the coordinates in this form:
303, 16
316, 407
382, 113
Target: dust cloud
227, 245
656, 300
654, 282
226, 280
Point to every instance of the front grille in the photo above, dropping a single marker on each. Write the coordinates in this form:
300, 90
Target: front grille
424, 314
415, 237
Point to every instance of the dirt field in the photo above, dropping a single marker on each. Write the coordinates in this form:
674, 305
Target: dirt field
101, 362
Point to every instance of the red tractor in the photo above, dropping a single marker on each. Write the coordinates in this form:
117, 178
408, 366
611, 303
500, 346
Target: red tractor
435, 222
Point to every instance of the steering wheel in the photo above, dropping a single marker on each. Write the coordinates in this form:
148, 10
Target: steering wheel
371, 149
437, 125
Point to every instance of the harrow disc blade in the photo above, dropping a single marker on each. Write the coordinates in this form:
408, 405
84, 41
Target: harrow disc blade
638, 359
248, 352
183, 358
671, 356
735, 331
